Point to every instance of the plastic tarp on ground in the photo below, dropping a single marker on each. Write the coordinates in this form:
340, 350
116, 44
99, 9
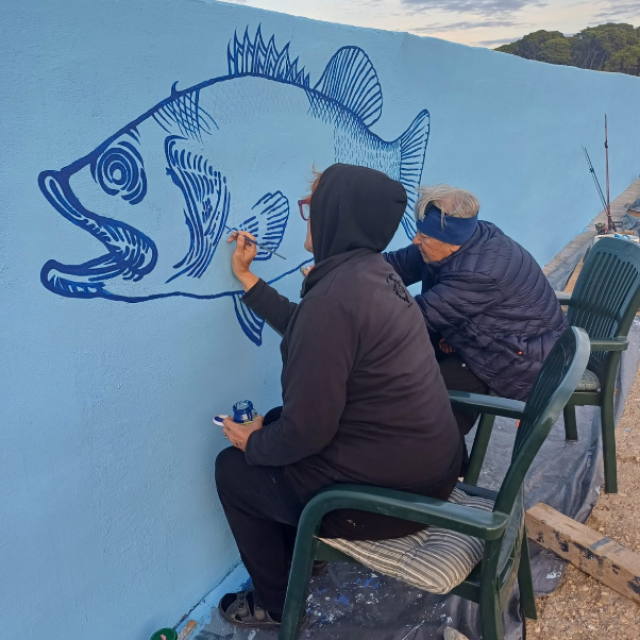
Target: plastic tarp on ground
352, 603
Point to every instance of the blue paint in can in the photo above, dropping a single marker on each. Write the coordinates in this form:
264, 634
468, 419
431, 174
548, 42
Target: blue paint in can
243, 412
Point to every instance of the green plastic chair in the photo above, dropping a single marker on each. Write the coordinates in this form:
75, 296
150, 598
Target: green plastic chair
604, 303
480, 443
506, 555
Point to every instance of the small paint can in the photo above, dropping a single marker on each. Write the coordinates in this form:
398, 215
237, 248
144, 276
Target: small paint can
165, 634
243, 412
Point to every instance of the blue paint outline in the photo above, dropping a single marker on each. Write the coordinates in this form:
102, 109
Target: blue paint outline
80, 162
348, 92
199, 183
176, 294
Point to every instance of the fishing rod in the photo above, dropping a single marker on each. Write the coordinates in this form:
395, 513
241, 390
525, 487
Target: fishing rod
610, 224
606, 202
595, 178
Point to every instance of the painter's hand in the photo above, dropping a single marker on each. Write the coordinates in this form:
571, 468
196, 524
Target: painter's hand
238, 434
242, 257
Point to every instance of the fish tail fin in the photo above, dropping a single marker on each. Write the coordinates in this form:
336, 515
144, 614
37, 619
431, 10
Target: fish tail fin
251, 324
413, 146
268, 223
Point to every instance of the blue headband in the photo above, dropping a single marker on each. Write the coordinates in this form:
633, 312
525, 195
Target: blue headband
446, 228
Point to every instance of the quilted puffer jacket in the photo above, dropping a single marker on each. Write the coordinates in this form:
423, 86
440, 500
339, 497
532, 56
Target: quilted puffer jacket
492, 303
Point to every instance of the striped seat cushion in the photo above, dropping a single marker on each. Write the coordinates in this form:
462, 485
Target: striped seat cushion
589, 382
434, 559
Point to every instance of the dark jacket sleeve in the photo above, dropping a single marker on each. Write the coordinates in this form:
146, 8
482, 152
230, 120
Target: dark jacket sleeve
407, 262
321, 354
450, 306
266, 302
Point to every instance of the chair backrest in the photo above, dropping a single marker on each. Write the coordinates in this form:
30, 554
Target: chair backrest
557, 380
607, 293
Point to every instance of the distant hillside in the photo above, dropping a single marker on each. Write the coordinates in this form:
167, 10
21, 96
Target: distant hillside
608, 47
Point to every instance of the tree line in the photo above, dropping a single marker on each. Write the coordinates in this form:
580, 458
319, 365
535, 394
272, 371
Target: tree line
607, 47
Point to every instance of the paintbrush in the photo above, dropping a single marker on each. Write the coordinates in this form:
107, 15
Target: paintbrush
254, 242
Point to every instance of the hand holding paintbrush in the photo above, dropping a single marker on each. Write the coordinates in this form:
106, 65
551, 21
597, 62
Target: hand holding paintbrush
243, 255
249, 238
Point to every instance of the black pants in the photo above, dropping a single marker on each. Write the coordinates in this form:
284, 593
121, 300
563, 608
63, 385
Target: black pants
263, 509
458, 377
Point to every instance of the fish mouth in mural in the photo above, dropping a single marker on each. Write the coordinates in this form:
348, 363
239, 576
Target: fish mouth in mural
162, 193
131, 254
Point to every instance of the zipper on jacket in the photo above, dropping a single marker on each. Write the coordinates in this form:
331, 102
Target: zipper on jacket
509, 346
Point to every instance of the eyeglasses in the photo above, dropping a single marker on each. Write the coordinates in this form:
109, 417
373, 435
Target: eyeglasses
305, 208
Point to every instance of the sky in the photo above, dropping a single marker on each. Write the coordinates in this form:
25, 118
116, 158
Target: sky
482, 23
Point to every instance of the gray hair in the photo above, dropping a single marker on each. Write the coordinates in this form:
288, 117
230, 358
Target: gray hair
452, 201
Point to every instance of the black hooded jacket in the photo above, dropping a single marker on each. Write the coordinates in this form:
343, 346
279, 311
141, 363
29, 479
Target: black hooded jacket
363, 399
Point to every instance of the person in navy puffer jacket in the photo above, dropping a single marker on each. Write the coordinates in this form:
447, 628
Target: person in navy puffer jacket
491, 313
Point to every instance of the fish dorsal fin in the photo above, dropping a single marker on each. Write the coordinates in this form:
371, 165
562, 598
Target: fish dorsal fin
254, 58
351, 80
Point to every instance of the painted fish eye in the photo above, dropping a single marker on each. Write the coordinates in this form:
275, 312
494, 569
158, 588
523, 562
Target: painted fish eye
119, 170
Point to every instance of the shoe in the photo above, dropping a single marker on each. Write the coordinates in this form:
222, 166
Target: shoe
240, 610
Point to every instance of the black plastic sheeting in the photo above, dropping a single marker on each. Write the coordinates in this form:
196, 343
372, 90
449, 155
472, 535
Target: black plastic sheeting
353, 603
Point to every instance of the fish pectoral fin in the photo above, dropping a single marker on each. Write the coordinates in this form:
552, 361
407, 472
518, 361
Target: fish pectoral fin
352, 81
413, 146
268, 223
251, 324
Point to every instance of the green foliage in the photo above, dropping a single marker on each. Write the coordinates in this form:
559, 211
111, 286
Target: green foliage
607, 47
509, 48
530, 45
555, 51
626, 60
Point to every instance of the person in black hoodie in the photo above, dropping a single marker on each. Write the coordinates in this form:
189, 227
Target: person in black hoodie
363, 398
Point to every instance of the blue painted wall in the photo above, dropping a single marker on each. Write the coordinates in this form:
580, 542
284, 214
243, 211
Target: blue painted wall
110, 522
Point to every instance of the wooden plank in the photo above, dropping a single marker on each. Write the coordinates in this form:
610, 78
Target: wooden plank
188, 630
600, 557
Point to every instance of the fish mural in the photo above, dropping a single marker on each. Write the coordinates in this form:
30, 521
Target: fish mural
233, 152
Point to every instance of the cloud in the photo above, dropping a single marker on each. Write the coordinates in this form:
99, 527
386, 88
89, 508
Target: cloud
465, 25
620, 10
489, 8
497, 42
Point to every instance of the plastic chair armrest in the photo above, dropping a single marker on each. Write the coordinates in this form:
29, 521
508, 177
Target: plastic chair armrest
486, 525
487, 404
564, 297
609, 344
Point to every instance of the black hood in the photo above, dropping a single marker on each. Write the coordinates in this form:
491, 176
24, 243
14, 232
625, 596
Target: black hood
354, 208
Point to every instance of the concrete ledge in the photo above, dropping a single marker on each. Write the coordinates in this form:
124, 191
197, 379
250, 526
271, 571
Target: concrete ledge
559, 268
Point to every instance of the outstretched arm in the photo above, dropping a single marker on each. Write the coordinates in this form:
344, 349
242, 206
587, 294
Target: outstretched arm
261, 298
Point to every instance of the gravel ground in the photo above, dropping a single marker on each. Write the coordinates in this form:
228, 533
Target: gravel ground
583, 608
